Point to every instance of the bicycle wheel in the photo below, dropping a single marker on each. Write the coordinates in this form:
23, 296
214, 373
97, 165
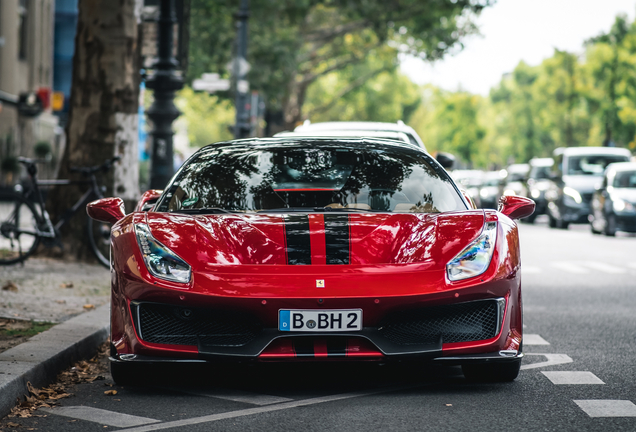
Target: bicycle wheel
19, 224
99, 239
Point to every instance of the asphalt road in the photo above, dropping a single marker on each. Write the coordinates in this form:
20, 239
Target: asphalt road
578, 373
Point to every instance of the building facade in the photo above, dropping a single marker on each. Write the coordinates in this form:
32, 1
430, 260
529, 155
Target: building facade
26, 65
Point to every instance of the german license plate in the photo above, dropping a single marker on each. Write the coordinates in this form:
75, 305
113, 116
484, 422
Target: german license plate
334, 320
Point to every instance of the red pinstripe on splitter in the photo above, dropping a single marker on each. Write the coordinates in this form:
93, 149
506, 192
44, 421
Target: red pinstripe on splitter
317, 239
320, 348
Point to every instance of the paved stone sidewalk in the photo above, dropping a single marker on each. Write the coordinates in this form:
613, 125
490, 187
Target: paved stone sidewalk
46, 289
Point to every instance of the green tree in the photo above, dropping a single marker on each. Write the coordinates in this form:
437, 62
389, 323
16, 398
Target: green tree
295, 43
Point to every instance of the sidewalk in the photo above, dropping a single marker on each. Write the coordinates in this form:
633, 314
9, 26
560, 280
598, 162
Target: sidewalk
75, 295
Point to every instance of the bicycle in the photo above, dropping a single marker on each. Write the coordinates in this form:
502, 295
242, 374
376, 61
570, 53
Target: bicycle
24, 221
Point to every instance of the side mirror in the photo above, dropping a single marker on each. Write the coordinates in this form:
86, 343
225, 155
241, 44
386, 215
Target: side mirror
108, 210
148, 200
516, 207
446, 160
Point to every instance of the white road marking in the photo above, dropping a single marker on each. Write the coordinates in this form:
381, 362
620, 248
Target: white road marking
605, 268
100, 416
569, 267
530, 269
607, 407
572, 377
632, 265
235, 395
551, 360
259, 410
534, 339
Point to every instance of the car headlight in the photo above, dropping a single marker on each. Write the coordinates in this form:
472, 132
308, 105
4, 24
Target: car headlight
161, 261
573, 193
622, 206
475, 258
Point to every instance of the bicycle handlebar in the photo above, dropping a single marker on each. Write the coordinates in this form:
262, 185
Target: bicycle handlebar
87, 171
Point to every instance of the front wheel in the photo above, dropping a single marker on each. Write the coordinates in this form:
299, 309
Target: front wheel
492, 372
19, 226
99, 239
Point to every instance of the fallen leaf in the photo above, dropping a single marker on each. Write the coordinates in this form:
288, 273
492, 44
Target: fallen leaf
66, 285
110, 392
11, 424
449, 404
10, 286
89, 306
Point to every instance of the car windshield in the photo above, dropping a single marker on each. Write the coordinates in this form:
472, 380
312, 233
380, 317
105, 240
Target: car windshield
540, 172
592, 164
625, 179
325, 176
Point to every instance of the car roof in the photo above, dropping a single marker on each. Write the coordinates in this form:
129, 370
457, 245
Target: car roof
308, 140
400, 136
572, 151
399, 126
541, 162
622, 166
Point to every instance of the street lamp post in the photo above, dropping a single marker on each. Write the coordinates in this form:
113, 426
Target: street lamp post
242, 126
164, 81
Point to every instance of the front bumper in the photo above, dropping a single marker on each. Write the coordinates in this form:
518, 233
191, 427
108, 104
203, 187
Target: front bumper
491, 357
626, 222
427, 332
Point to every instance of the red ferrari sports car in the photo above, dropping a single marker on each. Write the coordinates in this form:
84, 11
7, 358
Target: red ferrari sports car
321, 249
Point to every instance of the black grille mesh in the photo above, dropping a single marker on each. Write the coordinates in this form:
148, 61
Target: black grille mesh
461, 322
166, 324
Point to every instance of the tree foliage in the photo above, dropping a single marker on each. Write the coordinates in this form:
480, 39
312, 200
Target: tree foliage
293, 43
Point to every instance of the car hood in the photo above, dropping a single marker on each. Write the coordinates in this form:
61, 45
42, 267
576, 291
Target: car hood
313, 239
626, 194
582, 184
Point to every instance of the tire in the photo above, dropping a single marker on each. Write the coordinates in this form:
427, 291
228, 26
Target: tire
610, 226
552, 223
594, 230
19, 224
492, 372
561, 224
99, 239
126, 374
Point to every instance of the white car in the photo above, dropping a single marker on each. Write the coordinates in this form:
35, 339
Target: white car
397, 130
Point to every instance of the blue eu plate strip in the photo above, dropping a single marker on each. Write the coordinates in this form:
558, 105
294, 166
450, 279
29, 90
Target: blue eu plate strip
283, 320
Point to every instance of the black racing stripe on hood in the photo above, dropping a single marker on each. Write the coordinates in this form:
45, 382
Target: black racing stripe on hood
297, 237
337, 238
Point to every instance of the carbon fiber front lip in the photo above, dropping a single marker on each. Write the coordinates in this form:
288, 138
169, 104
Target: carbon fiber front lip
454, 360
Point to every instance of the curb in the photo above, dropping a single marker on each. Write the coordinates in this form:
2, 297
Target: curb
41, 358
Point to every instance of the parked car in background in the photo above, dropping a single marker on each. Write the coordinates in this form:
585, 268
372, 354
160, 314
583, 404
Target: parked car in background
471, 181
492, 189
517, 174
363, 128
614, 201
357, 129
537, 183
577, 171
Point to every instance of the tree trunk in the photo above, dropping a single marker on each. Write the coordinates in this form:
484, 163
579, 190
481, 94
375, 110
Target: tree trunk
103, 118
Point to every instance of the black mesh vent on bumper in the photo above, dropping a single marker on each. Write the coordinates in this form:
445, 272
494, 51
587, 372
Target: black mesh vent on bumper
166, 324
461, 322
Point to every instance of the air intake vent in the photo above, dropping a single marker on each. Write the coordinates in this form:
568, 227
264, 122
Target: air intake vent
463, 322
